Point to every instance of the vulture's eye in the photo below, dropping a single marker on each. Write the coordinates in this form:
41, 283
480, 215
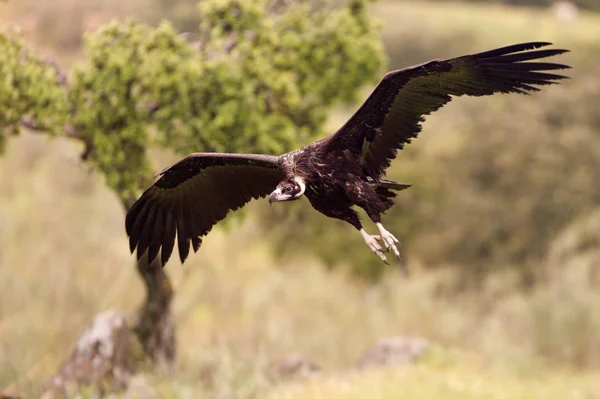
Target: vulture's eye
288, 189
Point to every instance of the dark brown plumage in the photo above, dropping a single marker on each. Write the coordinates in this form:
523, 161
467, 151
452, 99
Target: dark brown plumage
401, 100
194, 194
335, 173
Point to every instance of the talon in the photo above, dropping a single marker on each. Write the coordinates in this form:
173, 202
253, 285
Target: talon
389, 240
371, 241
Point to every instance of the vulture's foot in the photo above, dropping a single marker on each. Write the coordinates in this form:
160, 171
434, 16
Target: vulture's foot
389, 240
373, 244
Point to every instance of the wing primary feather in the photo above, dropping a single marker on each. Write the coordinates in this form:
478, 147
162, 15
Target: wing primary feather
183, 230
531, 55
156, 233
528, 66
138, 223
132, 215
196, 242
197, 222
146, 230
538, 76
201, 220
169, 235
513, 48
195, 216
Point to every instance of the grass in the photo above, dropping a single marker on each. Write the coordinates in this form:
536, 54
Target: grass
457, 381
64, 258
441, 374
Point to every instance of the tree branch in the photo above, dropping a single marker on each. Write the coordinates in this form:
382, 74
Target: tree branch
31, 124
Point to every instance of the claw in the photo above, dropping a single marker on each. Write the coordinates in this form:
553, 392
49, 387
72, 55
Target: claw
389, 241
371, 241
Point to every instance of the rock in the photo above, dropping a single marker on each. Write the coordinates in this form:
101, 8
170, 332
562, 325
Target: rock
396, 351
296, 366
102, 362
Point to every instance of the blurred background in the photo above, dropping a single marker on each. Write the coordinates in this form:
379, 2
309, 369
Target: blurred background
501, 229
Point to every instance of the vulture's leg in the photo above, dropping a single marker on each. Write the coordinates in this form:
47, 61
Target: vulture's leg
349, 215
389, 240
375, 202
373, 244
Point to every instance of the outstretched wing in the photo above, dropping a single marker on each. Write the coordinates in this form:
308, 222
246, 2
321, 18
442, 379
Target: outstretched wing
193, 195
393, 113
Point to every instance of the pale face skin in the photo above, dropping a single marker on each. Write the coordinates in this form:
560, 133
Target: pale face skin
288, 190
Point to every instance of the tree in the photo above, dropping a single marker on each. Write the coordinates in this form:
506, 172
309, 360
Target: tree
258, 76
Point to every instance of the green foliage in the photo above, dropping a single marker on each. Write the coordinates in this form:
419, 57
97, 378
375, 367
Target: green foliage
29, 88
260, 82
131, 68
293, 65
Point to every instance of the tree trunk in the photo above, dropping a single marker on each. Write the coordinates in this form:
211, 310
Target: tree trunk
154, 324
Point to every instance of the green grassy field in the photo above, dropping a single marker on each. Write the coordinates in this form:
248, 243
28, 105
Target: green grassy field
427, 380
458, 381
64, 258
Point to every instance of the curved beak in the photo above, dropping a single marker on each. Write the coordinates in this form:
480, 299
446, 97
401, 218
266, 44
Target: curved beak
274, 196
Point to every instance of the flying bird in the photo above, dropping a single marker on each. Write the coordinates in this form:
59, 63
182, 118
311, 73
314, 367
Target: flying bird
337, 172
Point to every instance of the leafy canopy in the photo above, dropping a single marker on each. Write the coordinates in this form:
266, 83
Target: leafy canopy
29, 89
258, 77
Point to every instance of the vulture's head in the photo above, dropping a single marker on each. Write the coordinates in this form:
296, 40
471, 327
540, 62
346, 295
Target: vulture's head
288, 190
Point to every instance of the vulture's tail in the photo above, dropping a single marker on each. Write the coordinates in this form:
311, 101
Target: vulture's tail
390, 185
